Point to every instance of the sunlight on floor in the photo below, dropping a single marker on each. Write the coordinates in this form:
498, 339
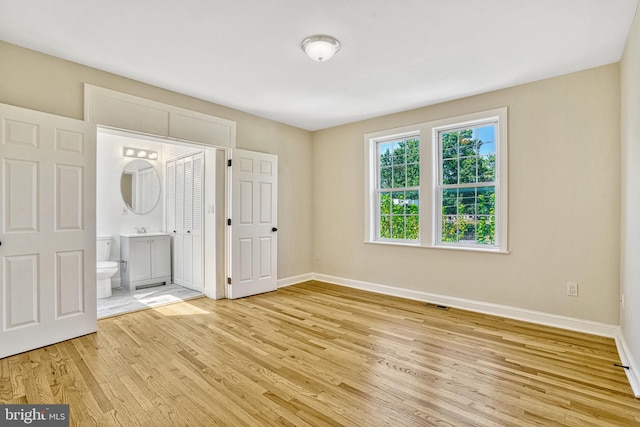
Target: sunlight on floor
122, 301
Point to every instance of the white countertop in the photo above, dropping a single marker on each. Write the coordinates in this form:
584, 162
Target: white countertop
151, 234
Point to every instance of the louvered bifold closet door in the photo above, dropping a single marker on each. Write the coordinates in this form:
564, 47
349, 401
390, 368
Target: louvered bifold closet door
196, 224
178, 237
185, 202
187, 248
171, 197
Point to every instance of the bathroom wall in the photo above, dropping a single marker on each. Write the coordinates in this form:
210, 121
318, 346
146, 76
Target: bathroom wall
112, 215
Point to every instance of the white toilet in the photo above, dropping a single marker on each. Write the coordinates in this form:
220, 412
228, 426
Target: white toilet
105, 269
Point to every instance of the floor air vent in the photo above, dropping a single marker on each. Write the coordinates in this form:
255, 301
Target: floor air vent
438, 306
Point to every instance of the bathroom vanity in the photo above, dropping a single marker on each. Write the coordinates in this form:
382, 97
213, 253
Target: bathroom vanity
147, 259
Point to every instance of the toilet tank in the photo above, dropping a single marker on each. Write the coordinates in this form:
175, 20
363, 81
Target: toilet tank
103, 248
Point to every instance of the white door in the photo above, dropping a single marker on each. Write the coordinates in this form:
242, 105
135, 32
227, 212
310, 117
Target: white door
254, 216
47, 230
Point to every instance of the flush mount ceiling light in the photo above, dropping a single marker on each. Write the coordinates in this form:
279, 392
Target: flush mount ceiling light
320, 47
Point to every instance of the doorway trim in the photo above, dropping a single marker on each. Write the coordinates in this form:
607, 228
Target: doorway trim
116, 112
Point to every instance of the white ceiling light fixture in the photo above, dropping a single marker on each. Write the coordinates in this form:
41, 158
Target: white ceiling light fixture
320, 47
139, 153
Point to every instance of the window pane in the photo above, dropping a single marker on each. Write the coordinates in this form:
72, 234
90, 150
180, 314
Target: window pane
468, 170
486, 134
450, 171
450, 144
485, 148
466, 143
385, 226
449, 228
487, 168
413, 175
385, 154
385, 203
413, 228
486, 230
397, 227
399, 176
467, 228
386, 177
467, 201
413, 203
399, 153
413, 151
449, 202
398, 202
486, 200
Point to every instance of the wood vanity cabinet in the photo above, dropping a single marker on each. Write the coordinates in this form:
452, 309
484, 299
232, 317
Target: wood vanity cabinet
148, 260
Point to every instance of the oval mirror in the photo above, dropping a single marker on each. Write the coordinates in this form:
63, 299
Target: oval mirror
140, 186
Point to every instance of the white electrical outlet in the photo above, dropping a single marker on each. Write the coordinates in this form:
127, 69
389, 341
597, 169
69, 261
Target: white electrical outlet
572, 289
317, 255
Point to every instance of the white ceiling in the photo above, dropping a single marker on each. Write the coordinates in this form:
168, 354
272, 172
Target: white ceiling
396, 55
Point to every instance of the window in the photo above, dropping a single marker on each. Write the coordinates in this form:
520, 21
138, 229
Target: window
398, 188
439, 184
466, 185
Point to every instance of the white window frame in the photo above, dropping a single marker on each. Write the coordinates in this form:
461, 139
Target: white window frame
430, 209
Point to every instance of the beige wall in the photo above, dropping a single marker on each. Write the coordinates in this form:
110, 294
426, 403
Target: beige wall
40, 82
630, 224
564, 203
563, 187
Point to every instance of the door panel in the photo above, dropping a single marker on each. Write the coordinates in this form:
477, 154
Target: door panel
69, 197
254, 240
21, 290
69, 284
20, 196
47, 229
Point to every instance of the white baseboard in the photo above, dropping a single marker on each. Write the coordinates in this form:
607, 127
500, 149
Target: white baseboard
538, 317
633, 373
288, 281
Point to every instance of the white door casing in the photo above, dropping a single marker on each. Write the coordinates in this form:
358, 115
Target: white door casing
47, 230
254, 214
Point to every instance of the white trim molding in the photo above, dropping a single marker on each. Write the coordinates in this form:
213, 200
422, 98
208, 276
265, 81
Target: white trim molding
633, 372
294, 280
109, 108
509, 312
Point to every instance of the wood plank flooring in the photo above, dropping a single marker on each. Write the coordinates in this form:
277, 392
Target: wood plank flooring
316, 354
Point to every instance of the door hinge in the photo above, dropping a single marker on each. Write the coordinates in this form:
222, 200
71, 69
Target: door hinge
229, 162
228, 280
229, 221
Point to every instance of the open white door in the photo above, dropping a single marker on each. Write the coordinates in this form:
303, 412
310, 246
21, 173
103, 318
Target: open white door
254, 242
47, 234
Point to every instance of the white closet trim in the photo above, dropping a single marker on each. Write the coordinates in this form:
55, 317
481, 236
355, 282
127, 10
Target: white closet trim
110, 108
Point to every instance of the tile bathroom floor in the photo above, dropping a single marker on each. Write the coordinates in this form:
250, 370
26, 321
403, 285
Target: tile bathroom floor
122, 301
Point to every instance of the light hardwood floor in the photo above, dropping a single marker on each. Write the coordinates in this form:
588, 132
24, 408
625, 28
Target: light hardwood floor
315, 354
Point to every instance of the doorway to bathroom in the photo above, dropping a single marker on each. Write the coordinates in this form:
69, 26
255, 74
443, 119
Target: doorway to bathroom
158, 204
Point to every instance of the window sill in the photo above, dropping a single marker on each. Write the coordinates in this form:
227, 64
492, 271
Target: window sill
449, 248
